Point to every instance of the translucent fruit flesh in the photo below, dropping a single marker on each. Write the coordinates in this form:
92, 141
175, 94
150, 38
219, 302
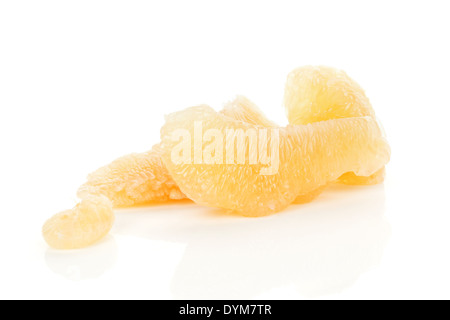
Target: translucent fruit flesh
319, 93
310, 196
313, 94
355, 145
244, 110
134, 179
142, 178
351, 178
81, 226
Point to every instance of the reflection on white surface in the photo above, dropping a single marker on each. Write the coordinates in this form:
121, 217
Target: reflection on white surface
321, 247
83, 264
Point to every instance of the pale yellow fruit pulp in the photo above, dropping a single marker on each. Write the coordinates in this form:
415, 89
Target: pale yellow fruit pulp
320, 93
134, 179
314, 152
81, 226
305, 153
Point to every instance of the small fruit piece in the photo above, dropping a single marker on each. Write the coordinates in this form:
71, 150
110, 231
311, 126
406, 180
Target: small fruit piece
134, 179
314, 94
82, 226
353, 144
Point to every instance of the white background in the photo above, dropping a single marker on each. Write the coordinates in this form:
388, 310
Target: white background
83, 82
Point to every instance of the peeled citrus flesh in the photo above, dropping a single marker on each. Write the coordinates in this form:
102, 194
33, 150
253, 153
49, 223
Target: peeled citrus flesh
81, 226
319, 93
310, 196
142, 178
244, 110
134, 179
351, 178
313, 94
354, 145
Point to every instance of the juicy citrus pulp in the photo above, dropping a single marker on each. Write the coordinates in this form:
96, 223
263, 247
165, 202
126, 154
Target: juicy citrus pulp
134, 179
319, 93
354, 144
333, 137
314, 94
244, 110
142, 178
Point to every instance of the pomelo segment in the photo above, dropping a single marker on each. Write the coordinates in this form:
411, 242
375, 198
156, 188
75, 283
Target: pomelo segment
319, 93
82, 226
354, 145
134, 179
